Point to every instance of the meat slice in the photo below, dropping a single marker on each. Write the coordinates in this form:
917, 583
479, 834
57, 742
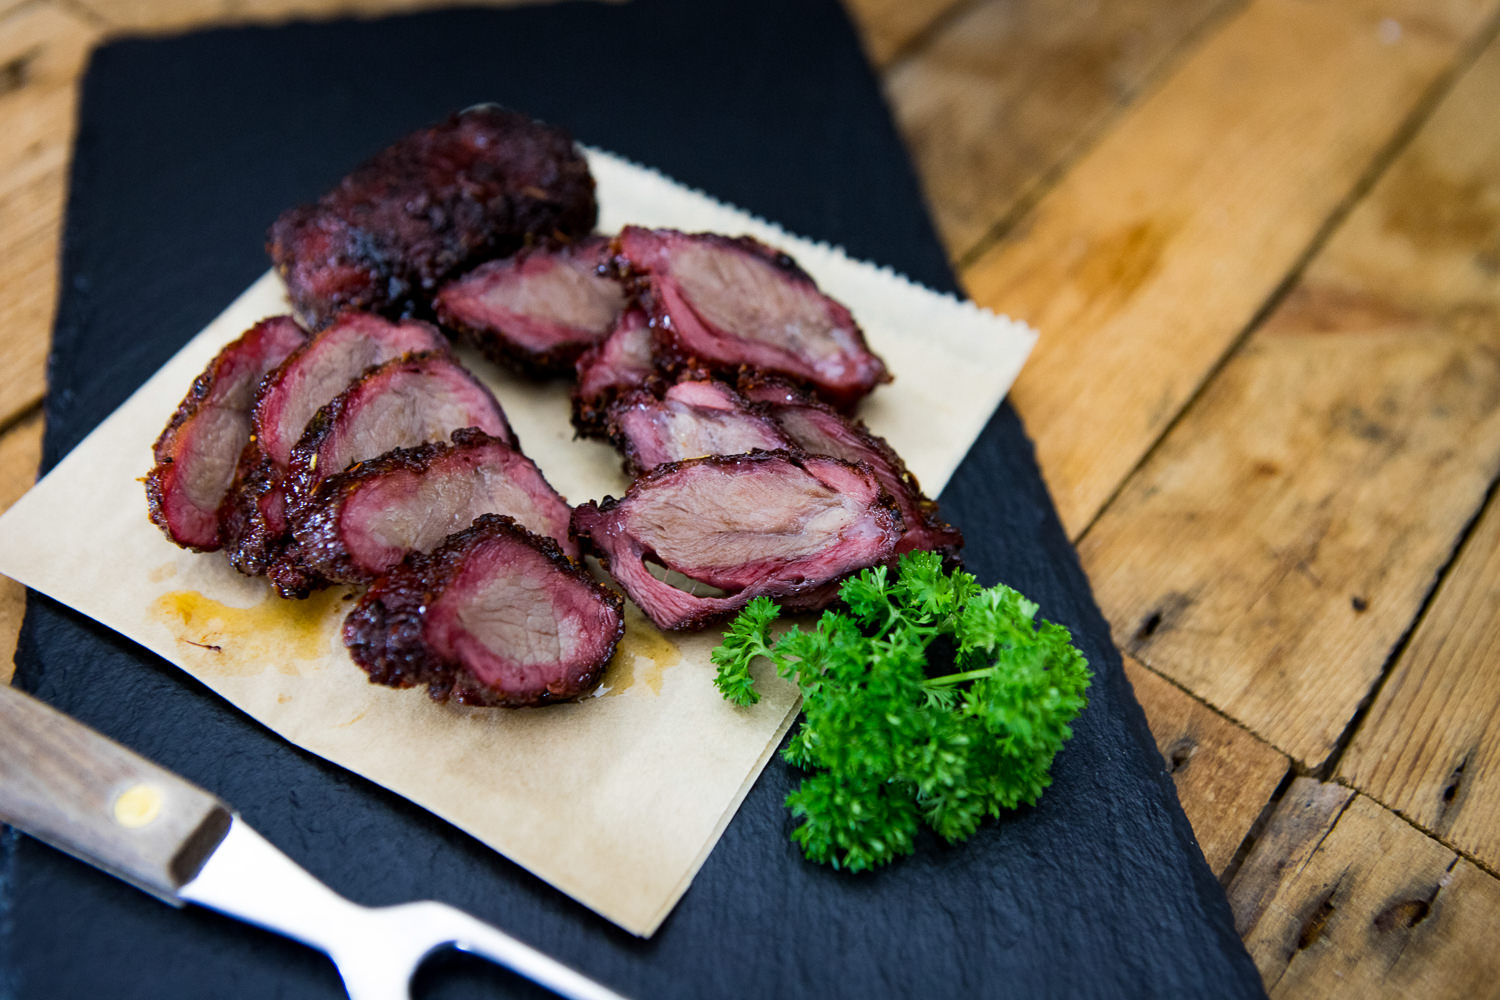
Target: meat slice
729, 303
623, 362
819, 430
255, 515
478, 185
766, 523
360, 523
538, 310
400, 404
493, 616
692, 419
196, 453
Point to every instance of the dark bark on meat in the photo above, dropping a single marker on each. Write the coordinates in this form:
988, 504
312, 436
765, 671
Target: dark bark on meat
254, 513
494, 616
538, 310
767, 523
400, 404
819, 430
622, 363
196, 453
726, 304
692, 419
478, 185
361, 523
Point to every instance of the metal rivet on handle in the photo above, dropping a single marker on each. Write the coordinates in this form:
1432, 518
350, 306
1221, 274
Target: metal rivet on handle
138, 805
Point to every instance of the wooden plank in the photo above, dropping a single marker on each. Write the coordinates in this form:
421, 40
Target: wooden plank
20, 454
1010, 89
1144, 264
888, 27
178, 15
42, 51
1224, 774
1279, 542
30, 217
1363, 905
1429, 748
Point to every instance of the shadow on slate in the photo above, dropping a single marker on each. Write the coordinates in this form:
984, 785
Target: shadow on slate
187, 148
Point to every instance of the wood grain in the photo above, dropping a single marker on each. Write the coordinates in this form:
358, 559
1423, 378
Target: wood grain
20, 454
1429, 748
888, 27
175, 15
71, 787
1010, 89
1280, 540
42, 50
1143, 265
1224, 775
1341, 898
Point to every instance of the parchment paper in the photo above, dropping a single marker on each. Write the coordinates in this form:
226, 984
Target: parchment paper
617, 799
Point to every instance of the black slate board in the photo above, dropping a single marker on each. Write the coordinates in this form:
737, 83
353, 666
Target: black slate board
187, 147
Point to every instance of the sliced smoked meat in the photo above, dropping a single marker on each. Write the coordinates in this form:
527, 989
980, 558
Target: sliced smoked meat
538, 310
730, 303
360, 523
623, 362
766, 523
196, 453
493, 616
255, 512
819, 430
478, 185
692, 419
403, 403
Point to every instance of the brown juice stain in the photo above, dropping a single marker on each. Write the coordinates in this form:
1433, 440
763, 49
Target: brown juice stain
160, 573
644, 651
246, 641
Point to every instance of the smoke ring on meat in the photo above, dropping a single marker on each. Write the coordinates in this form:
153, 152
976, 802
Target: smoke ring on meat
773, 523
494, 616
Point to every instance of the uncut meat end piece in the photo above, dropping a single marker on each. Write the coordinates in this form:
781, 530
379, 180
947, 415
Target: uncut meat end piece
538, 310
478, 185
729, 303
767, 523
819, 430
493, 616
254, 514
693, 419
196, 453
400, 404
361, 523
624, 362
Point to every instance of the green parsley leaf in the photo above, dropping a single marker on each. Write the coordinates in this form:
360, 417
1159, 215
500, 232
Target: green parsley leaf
889, 747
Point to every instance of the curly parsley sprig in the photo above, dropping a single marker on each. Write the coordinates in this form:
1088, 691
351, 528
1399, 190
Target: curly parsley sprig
890, 747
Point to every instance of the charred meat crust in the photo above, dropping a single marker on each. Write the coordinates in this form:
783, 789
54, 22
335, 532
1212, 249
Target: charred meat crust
480, 184
235, 371
387, 631
602, 530
492, 335
319, 553
925, 528
254, 511
687, 336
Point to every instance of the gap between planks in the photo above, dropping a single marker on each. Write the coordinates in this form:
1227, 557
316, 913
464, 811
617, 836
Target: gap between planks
1436, 93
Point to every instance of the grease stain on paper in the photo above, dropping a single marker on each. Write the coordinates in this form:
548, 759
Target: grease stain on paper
643, 656
246, 641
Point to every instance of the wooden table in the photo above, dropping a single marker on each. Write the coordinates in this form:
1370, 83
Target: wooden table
1261, 239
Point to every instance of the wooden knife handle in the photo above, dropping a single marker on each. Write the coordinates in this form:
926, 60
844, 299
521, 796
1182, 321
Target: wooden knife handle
69, 786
